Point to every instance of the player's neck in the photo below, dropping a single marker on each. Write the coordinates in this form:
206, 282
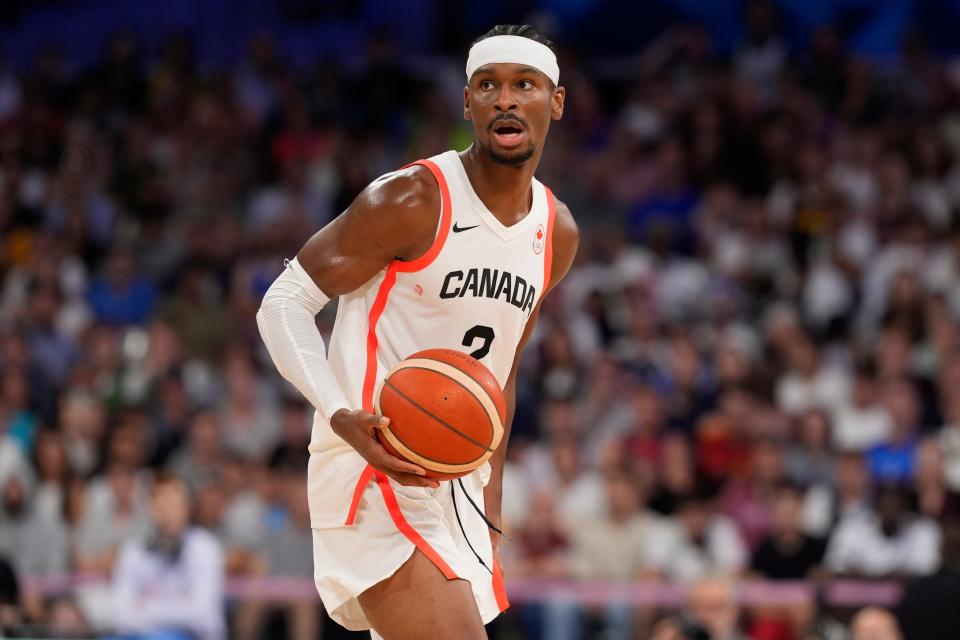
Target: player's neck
505, 190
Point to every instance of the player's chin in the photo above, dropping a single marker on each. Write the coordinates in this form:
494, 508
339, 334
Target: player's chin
513, 157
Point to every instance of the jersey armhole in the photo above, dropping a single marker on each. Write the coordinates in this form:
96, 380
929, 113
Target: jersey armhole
443, 227
548, 245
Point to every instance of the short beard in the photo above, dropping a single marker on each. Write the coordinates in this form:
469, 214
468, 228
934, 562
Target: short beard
510, 161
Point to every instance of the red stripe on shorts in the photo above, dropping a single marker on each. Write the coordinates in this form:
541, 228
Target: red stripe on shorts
390, 499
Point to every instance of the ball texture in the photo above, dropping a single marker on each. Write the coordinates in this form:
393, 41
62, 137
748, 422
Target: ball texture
446, 412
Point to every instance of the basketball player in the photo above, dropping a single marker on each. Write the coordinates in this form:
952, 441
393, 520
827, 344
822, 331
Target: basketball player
453, 252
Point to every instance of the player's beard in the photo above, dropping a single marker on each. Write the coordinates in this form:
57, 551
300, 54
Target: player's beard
517, 160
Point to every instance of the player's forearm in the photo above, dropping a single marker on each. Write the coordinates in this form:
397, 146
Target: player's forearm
286, 320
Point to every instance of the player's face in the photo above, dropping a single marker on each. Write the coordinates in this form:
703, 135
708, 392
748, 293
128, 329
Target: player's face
511, 107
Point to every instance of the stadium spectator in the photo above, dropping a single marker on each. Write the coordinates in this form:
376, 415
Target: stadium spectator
697, 542
198, 462
894, 460
927, 608
787, 553
713, 607
613, 548
171, 580
850, 496
892, 542
874, 624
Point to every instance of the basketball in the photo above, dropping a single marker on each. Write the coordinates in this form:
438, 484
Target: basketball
446, 412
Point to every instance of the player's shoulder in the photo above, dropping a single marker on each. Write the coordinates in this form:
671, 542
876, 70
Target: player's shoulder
410, 189
403, 205
566, 238
565, 226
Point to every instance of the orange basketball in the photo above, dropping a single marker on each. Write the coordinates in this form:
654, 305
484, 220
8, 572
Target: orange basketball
446, 412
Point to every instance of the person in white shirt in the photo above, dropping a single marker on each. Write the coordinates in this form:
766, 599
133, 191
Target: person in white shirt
892, 542
863, 421
169, 584
809, 383
701, 543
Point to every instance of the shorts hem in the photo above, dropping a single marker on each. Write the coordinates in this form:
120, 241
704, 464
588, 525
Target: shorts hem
353, 623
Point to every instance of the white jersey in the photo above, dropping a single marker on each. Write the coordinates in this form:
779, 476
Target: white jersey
473, 290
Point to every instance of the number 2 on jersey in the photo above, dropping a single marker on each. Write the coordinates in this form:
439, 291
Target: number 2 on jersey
482, 332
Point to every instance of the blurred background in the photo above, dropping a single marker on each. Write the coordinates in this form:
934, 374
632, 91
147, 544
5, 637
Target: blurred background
739, 417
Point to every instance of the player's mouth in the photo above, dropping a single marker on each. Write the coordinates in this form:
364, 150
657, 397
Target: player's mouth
508, 133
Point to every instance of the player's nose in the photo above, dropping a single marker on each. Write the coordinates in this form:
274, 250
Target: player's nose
506, 99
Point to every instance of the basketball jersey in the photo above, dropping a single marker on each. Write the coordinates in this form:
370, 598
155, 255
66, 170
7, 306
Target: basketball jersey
473, 290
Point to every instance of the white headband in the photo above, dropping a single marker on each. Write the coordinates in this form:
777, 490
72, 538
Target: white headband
513, 49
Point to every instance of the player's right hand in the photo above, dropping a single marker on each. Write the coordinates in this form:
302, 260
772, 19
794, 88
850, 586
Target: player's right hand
357, 429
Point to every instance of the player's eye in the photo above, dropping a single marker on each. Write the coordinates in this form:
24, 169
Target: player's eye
486, 85
525, 84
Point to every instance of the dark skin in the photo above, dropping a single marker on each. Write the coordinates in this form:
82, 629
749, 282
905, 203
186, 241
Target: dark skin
395, 218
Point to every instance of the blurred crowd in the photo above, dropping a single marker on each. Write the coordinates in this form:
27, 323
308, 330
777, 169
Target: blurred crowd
749, 372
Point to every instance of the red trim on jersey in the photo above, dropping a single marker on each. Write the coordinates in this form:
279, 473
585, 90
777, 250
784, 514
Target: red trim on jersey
379, 303
390, 498
444, 230
499, 590
357, 493
548, 253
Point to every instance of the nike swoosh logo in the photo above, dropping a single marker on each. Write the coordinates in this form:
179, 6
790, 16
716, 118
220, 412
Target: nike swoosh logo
457, 229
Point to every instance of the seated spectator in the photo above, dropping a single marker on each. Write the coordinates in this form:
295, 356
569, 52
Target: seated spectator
115, 508
579, 491
787, 553
35, 544
934, 498
82, 423
50, 460
809, 383
614, 548
291, 452
862, 422
697, 542
198, 463
676, 474
711, 612
642, 440
64, 619
894, 460
13, 461
893, 542
121, 296
810, 461
286, 545
873, 623
247, 412
746, 499
949, 438
15, 404
928, 609
541, 544
721, 446
713, 608
825, 505
171, 580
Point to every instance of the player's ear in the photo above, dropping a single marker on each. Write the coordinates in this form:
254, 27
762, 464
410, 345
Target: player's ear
556, 103
466, 103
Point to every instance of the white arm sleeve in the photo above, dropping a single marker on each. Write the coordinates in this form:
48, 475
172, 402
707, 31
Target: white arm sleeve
287, 326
